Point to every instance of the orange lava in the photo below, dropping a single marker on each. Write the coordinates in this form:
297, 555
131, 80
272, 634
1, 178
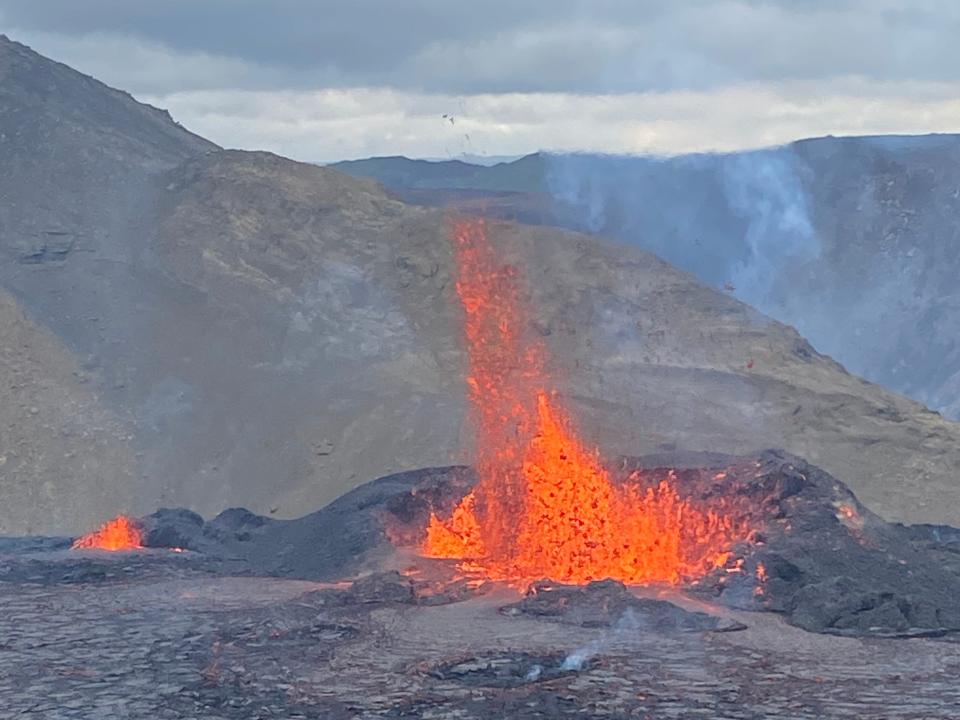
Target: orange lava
761, 579
121, 533
545, 506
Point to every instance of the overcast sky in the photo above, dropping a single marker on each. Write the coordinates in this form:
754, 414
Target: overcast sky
322, 80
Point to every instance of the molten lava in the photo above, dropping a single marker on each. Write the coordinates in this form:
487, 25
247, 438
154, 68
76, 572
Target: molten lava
545, 506
121, 533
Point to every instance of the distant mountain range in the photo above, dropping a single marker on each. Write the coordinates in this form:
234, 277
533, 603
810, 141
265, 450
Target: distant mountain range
854, 241
186, 325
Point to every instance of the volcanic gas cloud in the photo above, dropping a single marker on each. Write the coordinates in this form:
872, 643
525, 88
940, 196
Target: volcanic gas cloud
545, 505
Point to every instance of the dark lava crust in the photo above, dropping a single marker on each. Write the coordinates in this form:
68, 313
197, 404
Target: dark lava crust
818, 557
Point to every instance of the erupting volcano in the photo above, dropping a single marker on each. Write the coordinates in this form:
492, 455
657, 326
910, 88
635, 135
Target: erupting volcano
121, 533
545, 505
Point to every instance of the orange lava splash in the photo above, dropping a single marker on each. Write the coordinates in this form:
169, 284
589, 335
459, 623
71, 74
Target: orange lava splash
545, 506
121, 533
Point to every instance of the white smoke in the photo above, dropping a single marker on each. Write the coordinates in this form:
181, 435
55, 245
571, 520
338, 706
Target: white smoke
626, 624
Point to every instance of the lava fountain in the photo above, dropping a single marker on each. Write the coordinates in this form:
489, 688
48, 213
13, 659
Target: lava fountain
121, 533
545, 506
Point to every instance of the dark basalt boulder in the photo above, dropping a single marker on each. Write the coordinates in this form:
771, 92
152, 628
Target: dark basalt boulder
173, 528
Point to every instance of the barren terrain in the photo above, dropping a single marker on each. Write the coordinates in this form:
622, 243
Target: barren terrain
158, 635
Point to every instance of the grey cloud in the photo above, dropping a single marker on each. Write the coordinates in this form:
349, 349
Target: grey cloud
495, 46
336, 124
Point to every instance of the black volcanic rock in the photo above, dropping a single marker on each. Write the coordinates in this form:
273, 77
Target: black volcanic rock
606, 603
828, 563
236, 525
173, 528
332, 543
818, 557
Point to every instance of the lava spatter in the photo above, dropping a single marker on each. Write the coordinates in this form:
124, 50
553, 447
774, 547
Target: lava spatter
545, 505
120, 533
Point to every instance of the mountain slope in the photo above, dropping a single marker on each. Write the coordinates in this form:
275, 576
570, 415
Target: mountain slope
852, 240
241, 329
64, 457
524, 175
66, 140
76, 158
315, 343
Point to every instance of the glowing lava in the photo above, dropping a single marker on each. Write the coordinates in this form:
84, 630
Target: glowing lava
545, 506
121, 533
